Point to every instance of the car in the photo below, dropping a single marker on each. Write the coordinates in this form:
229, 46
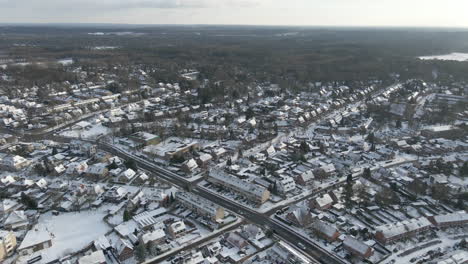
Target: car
301, 246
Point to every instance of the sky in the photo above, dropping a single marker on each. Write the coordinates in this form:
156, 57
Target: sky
426, 13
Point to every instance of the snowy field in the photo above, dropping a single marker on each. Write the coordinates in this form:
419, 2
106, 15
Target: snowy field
71, 232
452, 57
92, 133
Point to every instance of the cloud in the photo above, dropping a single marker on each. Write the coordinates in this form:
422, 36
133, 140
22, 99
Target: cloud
124, 4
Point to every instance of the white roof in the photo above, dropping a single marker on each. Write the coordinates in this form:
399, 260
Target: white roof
395, 229
356, 245
96, 257
36, 236
153, 236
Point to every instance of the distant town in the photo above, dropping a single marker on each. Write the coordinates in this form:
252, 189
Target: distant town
97, 170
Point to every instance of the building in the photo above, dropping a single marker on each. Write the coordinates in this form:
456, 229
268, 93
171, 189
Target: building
449, 220
401, 230
255, 193
170, 148
145, 139
326, 231
357, 247
13, 163
305, 178
157, 236
177, 229
97, 257
35, 240
17, 220
323, 202
201, 206
7, 244
446, 131
97, 171
285, 184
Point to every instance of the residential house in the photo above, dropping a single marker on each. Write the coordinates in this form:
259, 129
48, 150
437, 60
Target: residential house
35, 240
7, 244
357, 248
325, 230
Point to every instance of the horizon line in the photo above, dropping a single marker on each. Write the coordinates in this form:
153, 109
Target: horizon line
227, 25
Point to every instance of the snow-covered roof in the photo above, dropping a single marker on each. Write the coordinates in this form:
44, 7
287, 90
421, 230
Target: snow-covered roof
356, 245
97, 257
36, 236
395, 229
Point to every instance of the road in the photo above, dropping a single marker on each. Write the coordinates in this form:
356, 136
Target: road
282, 231
314, 250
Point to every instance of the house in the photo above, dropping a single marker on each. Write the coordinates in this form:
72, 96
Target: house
13, 163
305, 178
157, 236
300, 216
201, 206
357, 247
189, 166
236, 240
449, 220
7, 244
401, 230
126, 176
177, 229
96, 257
8, 205
285, 184
123, 249
143, 139
97, 171
204, 159
326, 231
35, 240
255, 193
17, 220
323, 202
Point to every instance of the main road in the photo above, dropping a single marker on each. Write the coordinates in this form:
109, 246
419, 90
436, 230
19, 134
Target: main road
285, 232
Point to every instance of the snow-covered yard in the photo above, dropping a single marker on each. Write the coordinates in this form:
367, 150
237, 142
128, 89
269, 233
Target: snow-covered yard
71, 232
91, 133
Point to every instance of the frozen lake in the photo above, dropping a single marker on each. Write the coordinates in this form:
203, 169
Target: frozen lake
456, 56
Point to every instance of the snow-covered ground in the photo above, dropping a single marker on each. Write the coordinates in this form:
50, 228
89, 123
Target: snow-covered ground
455, 56
92, 133
71, 232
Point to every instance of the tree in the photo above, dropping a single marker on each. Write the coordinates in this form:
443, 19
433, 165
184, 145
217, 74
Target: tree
440, 192
398, 123
304, 147
152, 248
54, 151
367, 173
28, 201
418, 187
140, 252
126, 216
387, 196
464, 169
113, 165
371, 138
131, 164
229, 162
349, 193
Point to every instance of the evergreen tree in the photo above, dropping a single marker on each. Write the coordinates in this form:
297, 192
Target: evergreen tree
464, 169
54, 151
349, 193
126, 216
140, 252
112, 166
28, 201
398, 123
131, 164
229, 162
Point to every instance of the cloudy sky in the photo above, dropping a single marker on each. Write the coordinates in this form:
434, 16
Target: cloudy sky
447, 13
